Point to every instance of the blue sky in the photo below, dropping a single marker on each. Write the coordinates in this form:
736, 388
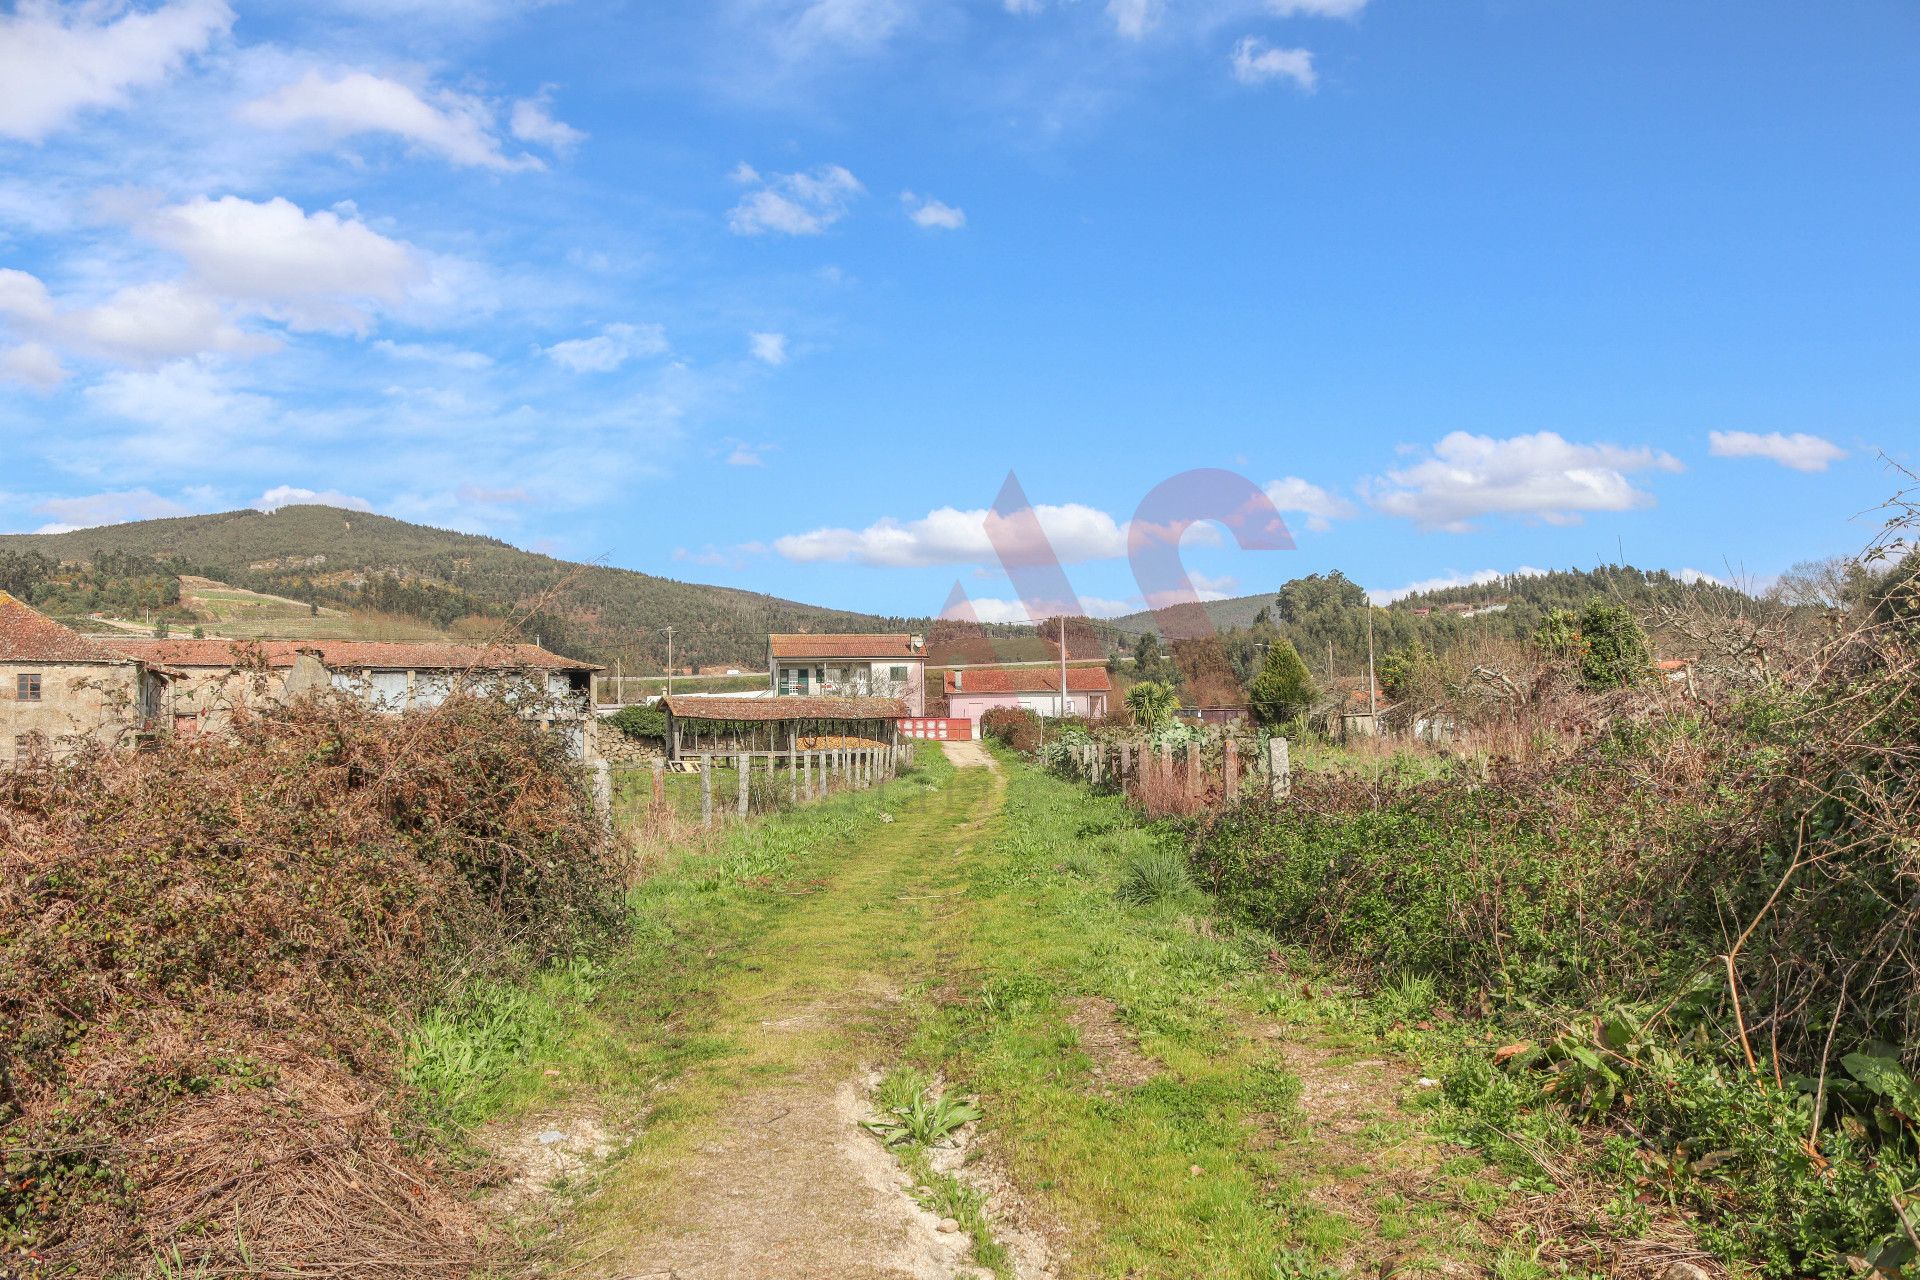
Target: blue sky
776, 293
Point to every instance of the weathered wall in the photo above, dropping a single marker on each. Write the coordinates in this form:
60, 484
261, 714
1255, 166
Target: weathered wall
77, 700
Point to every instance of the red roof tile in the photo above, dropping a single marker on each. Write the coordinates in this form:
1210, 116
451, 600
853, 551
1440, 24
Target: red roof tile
1028, 680
805, 707
845, 646
348, 655
27, 635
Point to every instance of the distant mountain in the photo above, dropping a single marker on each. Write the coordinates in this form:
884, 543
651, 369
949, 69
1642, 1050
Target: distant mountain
1236, 611
367, 563
1537, 592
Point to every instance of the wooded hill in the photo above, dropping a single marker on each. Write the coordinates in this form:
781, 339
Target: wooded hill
1325, 615
357, 561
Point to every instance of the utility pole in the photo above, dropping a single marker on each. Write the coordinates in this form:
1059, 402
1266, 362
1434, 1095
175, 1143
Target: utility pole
1063, 666
669, 660
1373, 698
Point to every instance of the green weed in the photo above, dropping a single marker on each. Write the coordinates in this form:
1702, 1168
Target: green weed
1158, 874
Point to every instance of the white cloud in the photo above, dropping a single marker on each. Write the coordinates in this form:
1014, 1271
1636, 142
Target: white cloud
1256, 62
1317, 8
1540, 475
1292, 494
951, 536
457, 126
794, 204
1800, 451
1693, 577
312, 270
1135, 18
436, 353
184, 396
140, 323
160, 321
614, 346
286, 495
855, 25
91, 510
32, 365
769, 348
933, 214
533, 122
58, 60
993, 610
1207, 587
1479, 577
741, 453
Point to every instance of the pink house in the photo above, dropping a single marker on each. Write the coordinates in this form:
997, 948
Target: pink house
974, 691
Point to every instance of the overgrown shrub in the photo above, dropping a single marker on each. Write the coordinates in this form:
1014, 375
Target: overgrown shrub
1711, 923
643, 722
1013, 727
201, 949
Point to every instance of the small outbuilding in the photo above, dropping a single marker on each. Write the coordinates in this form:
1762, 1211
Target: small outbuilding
703, 726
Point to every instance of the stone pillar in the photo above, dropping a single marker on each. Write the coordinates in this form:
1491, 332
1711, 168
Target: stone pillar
1231, 764
706, 791
659, 785
603, 795
793, 774
745, 763
1279, 769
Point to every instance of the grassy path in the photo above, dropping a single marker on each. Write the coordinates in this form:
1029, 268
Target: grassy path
1158, 1099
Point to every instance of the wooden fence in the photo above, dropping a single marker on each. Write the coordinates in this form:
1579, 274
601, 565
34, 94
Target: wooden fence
1181, 778
768, 780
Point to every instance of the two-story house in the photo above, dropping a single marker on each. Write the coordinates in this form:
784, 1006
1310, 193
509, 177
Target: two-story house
852, 666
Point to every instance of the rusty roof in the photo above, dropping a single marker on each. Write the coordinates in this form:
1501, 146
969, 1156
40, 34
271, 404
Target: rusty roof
1028, 680
28, 635
851, 645
804, 707
348, 655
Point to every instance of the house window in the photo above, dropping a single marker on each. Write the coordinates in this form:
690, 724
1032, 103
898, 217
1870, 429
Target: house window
26, 687
27, 746
898, 675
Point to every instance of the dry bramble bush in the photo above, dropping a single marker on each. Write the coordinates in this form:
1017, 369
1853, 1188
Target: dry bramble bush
203, 950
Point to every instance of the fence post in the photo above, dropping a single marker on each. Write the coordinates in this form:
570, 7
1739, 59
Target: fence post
745, 762
1126, 758
1279, 769
793, 774
706, 791
1231, 764
659, 785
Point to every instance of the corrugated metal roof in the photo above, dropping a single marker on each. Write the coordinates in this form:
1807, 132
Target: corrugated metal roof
807, 707
28, 635
1028, 680
861, 645
348, 655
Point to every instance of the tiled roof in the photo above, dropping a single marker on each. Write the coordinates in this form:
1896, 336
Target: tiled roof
1028, 680
348, 655
27, 635
844, 646
806, 707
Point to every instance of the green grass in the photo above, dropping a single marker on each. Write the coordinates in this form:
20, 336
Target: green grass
1054, 922
613, 1026
965, 935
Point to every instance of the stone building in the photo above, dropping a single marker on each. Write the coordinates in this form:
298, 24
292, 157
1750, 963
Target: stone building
59, 689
